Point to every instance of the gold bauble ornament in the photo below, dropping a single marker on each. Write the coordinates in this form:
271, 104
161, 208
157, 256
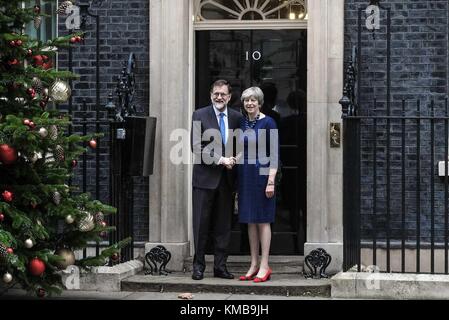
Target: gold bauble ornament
53, 131
69, 258
87, 223
63, 7
60, 91
59, 153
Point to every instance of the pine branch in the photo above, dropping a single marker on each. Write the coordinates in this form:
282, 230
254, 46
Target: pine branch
101, 259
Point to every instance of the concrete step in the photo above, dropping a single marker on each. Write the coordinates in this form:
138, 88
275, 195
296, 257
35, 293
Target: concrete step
279, 285
240, 264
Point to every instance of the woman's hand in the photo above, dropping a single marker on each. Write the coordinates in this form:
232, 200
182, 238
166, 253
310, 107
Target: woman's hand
269, 190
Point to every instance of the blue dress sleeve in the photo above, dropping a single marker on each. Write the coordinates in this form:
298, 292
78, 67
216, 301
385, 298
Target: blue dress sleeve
273, 142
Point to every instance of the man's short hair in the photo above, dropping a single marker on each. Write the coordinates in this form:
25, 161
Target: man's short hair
220, 83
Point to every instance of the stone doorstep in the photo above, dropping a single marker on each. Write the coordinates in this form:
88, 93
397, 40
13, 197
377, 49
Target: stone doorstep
280, 284
365, 285
240, 264
100, 278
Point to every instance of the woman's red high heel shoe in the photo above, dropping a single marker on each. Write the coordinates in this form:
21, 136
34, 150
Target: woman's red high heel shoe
250, 277
266, 277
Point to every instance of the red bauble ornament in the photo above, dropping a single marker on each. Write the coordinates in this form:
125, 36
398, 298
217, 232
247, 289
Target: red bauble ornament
13, 62
31, 91
36, 267
12, 43
115, 256
78, 39
10, 250
72, 39
19, 43
47, 65
40, 293
103, 224
7, 196
8, 155
43, 104
26, 122
37, 9
74, 163
2, 217
38, 60
15, 85
32, 125
93, 144
29, 52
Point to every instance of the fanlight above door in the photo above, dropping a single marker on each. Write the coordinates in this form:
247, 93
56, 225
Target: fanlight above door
207, 10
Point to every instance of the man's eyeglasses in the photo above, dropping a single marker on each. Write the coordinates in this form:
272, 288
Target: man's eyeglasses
217, 94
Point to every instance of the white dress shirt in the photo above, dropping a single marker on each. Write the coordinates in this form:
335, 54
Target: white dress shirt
225, 119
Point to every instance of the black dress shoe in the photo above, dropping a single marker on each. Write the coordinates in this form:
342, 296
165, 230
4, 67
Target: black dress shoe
224, 274
197, 275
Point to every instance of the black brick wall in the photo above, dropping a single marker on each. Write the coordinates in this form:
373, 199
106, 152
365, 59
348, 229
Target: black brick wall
124, 29
419, 62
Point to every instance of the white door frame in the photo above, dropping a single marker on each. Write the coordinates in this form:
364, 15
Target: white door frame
172, 52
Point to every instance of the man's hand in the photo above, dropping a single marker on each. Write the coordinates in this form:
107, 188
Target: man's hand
228, 162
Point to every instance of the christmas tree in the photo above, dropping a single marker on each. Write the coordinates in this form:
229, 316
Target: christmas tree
42, 222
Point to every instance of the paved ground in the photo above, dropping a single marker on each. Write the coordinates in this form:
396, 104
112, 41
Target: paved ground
89, 295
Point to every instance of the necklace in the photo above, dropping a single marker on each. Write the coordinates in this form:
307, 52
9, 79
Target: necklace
251, 124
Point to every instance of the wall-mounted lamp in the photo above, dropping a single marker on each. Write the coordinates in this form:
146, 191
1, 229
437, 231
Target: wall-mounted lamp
297, 10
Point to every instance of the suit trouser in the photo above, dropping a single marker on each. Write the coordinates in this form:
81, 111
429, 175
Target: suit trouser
212, 211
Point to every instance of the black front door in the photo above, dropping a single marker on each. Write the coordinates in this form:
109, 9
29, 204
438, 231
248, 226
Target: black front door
276, 61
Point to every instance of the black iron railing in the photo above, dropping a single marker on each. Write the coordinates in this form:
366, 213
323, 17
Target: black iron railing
396, 188
101, 170
395, 165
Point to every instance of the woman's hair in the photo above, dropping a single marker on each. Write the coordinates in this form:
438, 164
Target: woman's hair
255, 92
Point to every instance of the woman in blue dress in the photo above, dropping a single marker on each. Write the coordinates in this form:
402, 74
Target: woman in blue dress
256, 172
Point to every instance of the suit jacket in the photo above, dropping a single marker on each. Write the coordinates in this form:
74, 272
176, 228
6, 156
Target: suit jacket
207, 175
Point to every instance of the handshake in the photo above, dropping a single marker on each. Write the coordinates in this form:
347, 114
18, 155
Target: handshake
229, 163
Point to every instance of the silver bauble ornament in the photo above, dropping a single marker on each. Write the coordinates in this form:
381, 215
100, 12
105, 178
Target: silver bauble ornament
43, 132
87, 223
36, 156
56, 197
49, 158
7, 277
69, 258
69, 219
20, 100
60, 91
28, 243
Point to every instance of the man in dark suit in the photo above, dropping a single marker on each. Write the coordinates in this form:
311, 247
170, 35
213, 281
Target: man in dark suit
213, 178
